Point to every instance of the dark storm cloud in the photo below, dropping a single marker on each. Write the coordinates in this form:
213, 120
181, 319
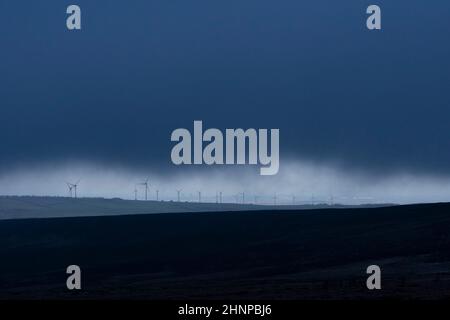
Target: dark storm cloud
113, 92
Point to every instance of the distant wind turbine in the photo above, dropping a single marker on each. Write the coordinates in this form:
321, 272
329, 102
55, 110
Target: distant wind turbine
145, 184
69, 185
73, 186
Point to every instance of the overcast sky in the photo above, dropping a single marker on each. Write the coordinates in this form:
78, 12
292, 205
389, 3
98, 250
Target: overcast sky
362, 104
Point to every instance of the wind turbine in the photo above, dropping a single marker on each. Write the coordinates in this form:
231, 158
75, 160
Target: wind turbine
178, 195
135, 192
70, 186
73, 186
145, 184
220, 197
157, 195
199, 196
275, 199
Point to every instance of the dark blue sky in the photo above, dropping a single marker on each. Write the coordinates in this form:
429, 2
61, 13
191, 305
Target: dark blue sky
114, 91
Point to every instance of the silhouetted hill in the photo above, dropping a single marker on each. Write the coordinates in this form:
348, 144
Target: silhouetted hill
310, 254
15, 207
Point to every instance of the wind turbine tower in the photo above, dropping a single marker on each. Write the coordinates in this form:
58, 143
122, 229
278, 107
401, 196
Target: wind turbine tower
69, 185
76, 187
73, 186
145, 184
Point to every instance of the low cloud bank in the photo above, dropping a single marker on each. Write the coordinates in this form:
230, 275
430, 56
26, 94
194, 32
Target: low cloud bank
297, 182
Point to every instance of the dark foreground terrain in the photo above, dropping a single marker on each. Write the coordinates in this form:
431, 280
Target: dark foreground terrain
310, 254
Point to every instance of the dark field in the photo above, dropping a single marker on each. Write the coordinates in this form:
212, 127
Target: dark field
308, 254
